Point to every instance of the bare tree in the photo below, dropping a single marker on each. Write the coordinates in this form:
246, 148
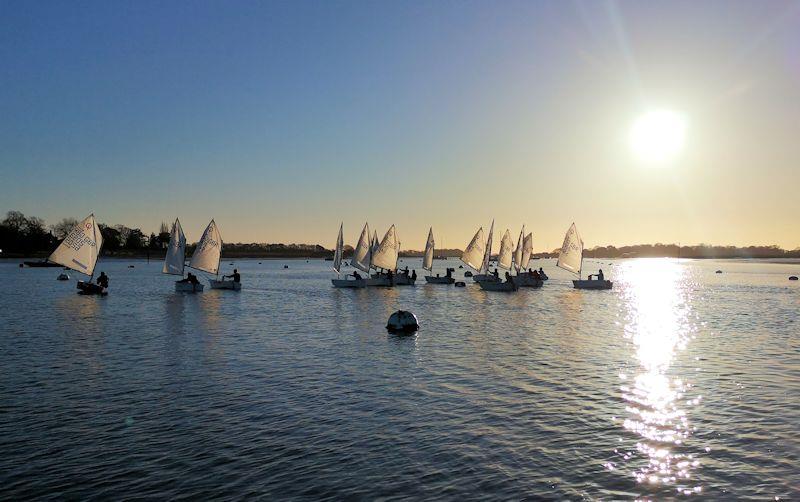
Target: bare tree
63, 227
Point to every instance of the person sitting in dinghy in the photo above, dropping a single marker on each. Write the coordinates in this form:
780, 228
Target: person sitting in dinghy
356, 275
190, 278
599, 275
235, 276
102, 280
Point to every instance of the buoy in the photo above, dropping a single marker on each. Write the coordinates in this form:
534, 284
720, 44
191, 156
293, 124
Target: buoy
131, 266
460, 284
21, 265
259, 263
719, 271
402, 321
286, 266
461, 266
793, 278
63, 277
467, 274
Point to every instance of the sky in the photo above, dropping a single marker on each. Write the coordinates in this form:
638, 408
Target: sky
282, 119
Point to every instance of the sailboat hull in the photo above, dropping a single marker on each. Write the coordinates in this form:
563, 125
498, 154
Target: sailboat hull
344, 283
485, 278
592, 284
379, 280
404, 280
232, 285
88, 288
507, 286
188, 287
439, 280
525, 280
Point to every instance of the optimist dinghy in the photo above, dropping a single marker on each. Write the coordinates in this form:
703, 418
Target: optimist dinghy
79, 251
337, 266
571, 259
174, 261
427, 264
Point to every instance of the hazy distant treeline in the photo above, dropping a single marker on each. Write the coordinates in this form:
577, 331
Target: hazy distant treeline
22, 235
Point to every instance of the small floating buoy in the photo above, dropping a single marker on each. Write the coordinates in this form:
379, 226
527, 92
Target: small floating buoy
460, 284
461, 266
131, 266
402, 321
21, 265
62, 277
793, 278
467, 274
231, 263
259, 263
286, 266
718, 271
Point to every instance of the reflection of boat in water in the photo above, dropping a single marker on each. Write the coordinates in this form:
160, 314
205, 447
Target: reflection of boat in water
571, 259
79, 251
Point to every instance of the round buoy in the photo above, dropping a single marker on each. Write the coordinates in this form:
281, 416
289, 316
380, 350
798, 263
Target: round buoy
793, 278
467, 274
460, 284
461, 266
286, 266
131, 266
402, 321
21, 265
62, 277
719, 271
259, 263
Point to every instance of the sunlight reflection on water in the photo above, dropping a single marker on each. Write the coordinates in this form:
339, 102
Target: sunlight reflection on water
657, 296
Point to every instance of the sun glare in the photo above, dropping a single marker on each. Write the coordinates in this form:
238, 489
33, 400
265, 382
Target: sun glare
658, 136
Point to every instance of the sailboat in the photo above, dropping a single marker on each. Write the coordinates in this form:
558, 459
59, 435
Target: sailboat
385, 258
504, 260
175, 259
79, 250
427, 263
362, 256
526, 279
571, 259
483, 272
337, 266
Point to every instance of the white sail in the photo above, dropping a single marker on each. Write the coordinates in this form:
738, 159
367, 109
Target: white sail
427, 260
473, 254
487, 253
80, 247
362, 256
527, 251
504, 258
387, 254
206, 254
337, 255
374, 247
176, 251
518, 250
571, 255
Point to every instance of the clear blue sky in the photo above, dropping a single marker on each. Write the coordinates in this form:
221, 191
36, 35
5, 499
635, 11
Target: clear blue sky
281, 119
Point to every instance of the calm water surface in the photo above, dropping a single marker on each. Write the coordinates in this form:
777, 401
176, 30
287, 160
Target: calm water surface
679, 383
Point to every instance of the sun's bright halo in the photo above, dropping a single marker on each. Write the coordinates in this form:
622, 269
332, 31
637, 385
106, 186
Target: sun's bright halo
658, 136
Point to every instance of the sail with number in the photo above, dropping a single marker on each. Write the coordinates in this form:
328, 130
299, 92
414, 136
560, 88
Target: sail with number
473, 254
387, 253
427, 260
487, 253
527, 251
176, 251
80, 248
337, 255
206, 254
505, 256
519, 248
362, 256
571, 256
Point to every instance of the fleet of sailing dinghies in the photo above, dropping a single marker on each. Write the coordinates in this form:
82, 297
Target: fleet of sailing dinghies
571, 259
79, 251
206, 258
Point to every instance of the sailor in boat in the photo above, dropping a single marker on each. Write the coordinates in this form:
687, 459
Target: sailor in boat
356, 275
390, 274
599, 275
536, 275
497, 274
102, 280
190, 278
413, 274
235, 276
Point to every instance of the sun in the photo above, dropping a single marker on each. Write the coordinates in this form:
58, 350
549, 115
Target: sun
658, 136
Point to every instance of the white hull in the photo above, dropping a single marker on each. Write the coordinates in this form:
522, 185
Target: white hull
498, 286
235, 286
592, 284
345, 283
439, 280
525, 280
188, 287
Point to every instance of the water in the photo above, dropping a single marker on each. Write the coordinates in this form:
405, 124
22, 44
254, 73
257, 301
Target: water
678, 383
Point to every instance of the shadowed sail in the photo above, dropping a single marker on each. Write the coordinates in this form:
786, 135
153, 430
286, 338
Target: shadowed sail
487, 253
386, 255
571, 256
80, 247
176, 251
473, 254
337, 255
206, 255
527, 251
427, 260
505, 256
362, 256
518, 249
